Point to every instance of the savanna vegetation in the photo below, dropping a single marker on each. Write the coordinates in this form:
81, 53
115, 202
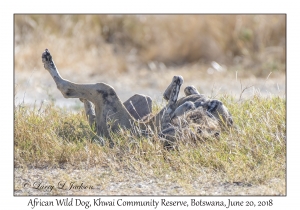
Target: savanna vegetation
124, 42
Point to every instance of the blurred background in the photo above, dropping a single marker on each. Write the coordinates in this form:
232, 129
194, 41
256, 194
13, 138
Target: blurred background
219, 54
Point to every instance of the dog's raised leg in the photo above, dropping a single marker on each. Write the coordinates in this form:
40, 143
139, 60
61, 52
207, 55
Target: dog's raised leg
107, 103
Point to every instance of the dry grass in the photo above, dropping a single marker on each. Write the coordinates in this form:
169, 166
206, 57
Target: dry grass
252, 153
124, 43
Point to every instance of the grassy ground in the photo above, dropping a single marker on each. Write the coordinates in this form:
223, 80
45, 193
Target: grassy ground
54, 144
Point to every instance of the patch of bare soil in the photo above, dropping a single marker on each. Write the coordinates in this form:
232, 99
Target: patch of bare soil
38, 86
101, 181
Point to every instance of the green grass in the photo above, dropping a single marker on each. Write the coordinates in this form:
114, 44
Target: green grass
252, 152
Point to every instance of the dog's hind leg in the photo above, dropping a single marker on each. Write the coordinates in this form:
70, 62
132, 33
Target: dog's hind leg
190, 90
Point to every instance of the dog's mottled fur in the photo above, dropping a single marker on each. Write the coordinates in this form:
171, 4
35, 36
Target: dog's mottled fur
102, 105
